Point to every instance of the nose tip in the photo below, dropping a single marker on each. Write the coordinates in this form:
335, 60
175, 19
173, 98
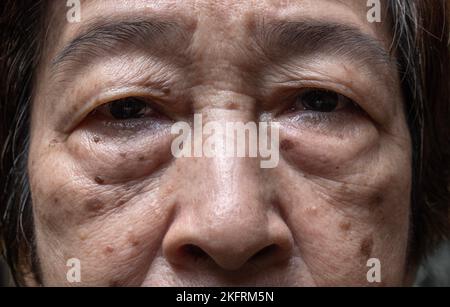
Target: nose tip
228, 251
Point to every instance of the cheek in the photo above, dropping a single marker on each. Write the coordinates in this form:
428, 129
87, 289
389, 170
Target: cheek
329, 151
121, 158
89, 204
347, 200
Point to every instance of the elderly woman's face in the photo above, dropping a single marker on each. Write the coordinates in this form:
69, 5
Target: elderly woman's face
108, 190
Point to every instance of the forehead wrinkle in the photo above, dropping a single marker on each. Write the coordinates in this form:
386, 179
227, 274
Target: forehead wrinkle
102, 38
281, 40
315, 36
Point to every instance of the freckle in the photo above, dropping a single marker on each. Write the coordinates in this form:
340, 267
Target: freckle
56, 200
141, 158
366, 247
337, 167
96, 139
345, 226
133, 240
312, 210
286, 145
114, 283
109, 250
166, 91
94, 205
83, 236
232, 106
123, 154
99, 180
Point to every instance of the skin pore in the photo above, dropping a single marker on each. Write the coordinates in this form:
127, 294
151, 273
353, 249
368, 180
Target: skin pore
107, 190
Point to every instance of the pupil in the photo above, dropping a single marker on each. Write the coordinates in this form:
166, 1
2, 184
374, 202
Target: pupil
127, 109
321, 101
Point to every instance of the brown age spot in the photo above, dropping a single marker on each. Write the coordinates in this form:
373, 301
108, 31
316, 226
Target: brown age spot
83, 235
286, 145
375, 202
311, 210
166, 91
232, 106
378, 199
109, 249
133, 240
123, 154
366, 247
141, 158
345, 226
99, 180
94, 205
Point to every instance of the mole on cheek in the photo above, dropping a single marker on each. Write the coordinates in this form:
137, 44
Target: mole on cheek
96, 139
232, 106
286, 145
94, 205
109, 250
376, 201
83, 235
345, 226
133, 240
99, 180
366, 247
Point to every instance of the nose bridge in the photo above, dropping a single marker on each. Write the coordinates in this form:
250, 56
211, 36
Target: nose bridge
223, 211
224, 216
233, 180
230, 192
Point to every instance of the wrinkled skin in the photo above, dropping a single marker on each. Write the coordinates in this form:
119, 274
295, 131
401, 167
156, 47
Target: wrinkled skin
113, 196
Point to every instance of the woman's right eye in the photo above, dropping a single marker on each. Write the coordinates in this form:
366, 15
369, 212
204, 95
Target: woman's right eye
126, 109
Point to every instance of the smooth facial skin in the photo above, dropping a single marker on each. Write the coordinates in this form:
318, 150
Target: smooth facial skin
107, 190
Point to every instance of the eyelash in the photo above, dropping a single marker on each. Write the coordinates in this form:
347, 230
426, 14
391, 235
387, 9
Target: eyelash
291, 106
143, 108
295, 110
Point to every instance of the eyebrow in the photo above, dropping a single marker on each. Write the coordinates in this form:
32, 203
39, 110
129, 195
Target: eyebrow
285, 38
108, 38
279, 39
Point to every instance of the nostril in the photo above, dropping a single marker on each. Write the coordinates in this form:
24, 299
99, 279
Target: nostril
194, 252
266, 252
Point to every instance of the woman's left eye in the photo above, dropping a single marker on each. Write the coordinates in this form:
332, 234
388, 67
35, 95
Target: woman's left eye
323, 101
126, 109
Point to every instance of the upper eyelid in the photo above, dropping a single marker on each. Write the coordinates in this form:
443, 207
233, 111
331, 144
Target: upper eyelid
289, 90
106, 96
153, 104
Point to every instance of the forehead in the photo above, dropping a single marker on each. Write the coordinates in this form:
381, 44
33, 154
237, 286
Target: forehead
230, 16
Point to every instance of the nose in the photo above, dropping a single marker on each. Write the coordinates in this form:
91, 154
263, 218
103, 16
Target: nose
225, 217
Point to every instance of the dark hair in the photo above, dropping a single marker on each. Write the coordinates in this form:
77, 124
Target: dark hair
420, 41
